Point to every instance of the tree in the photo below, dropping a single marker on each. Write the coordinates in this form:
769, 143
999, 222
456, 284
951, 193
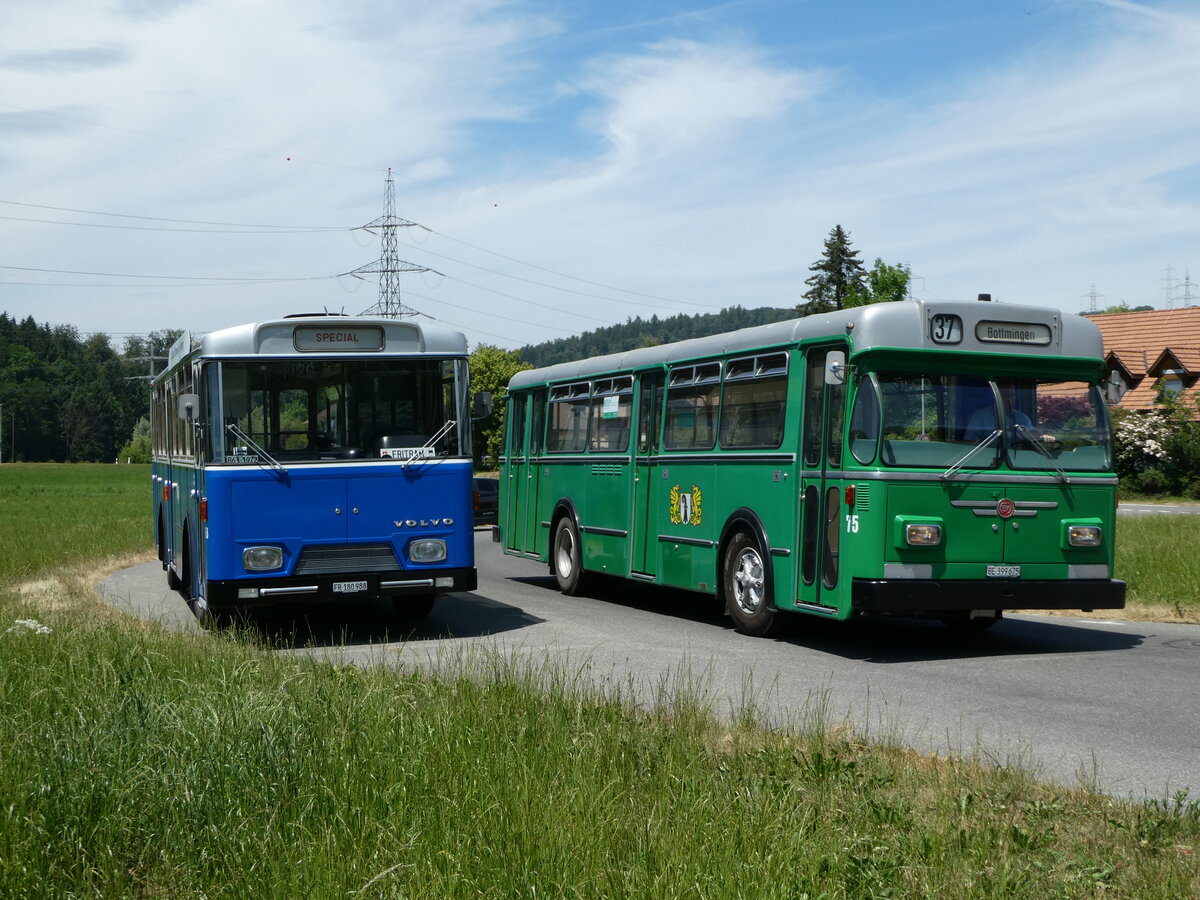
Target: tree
491, 369
887, 283
839, 280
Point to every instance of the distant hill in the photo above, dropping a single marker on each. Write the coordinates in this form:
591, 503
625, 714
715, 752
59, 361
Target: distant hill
639, 332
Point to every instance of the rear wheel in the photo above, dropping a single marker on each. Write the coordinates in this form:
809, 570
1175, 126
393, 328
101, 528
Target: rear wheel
567, 557
747, 599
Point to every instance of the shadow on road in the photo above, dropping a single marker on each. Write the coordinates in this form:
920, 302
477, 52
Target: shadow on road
376, 622
878, 639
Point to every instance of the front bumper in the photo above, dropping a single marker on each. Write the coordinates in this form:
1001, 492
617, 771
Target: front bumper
928, 595
320, 588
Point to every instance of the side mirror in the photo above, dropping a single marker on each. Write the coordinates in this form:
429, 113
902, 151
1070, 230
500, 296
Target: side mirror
483, 405
187, 406
835, 367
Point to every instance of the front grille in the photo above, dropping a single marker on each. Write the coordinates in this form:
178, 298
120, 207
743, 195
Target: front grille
346, 558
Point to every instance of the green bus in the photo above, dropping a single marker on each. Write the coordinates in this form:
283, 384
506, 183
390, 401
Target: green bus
945, 460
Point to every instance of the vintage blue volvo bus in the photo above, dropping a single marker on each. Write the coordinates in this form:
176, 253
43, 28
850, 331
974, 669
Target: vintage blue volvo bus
314, 458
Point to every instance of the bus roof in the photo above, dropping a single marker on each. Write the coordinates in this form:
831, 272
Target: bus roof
984, 328
297, 336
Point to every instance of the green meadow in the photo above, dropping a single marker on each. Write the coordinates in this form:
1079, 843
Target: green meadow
137, 762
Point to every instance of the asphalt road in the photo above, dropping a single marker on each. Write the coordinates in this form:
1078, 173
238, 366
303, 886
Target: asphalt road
1113, 703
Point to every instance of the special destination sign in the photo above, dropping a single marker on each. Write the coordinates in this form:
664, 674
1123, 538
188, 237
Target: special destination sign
1013, 333
327, 338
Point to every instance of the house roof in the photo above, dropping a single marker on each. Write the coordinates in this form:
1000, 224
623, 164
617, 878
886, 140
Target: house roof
1144, 344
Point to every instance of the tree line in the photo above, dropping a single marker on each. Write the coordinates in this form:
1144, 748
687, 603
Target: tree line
70, 398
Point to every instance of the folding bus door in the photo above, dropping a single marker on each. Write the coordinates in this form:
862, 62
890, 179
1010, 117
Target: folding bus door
821, 477
644, 560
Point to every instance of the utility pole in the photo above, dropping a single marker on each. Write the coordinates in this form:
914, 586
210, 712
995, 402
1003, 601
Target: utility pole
1092, 298
389, 265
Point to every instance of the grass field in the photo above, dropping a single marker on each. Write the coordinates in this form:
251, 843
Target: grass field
136, 762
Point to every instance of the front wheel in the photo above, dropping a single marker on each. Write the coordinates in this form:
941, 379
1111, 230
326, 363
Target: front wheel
746, 596
567, 557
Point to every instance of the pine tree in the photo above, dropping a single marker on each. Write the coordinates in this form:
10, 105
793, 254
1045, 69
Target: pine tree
838, 281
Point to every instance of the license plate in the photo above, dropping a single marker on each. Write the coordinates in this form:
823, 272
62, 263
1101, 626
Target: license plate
349, 587
1003, 571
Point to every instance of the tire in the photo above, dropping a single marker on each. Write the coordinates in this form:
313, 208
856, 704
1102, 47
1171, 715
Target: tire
747, 597
964, 624
566, 557
413, 607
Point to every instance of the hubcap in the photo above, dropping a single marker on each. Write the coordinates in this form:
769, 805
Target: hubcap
748, 581
566, 550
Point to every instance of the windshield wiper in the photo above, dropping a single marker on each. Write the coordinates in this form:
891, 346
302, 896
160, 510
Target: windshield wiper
272, 462
1037, 445
958, 463
419, 452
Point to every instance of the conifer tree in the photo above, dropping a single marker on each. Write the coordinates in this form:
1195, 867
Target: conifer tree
838, 279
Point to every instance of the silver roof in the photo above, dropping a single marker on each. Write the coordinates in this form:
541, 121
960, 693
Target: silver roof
902, 324
275, 337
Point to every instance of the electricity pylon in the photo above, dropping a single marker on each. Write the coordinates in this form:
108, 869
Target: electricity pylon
389, 266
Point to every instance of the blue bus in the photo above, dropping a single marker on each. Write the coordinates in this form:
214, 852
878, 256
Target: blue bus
314, 458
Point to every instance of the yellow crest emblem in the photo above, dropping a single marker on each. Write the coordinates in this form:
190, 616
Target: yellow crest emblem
685, 506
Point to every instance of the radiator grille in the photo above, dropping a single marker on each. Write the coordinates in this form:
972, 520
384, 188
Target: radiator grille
346, 558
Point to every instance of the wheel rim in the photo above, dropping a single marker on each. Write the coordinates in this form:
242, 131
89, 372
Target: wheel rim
564, 553
748, 581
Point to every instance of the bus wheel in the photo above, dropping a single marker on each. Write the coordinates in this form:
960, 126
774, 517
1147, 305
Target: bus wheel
413, 607
567, 557
745, 582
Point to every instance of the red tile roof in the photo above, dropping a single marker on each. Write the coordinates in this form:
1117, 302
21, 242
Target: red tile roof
1145, 344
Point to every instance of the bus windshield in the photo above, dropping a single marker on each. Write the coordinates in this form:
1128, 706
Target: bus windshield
312, 410
942, 421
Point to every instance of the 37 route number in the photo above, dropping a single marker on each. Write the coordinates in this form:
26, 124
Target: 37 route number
945, 328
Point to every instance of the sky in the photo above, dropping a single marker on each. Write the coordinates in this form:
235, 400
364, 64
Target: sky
196, 164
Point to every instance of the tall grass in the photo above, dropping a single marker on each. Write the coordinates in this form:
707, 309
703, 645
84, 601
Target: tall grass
1158, 557
140, 763
52, 514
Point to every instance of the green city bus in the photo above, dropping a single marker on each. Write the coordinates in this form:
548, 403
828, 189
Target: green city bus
945, 460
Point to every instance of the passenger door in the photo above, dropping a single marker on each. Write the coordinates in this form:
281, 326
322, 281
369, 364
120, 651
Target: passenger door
821, 476
644, 530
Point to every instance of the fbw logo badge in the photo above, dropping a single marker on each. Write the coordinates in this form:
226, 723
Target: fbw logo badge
685, 506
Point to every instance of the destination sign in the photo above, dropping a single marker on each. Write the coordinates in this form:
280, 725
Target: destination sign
327, 338
1013, 333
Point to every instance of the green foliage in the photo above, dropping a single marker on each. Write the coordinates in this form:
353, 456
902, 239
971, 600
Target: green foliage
1158, 452
69, 398
838, 280
639, 332
137, 449
491, 369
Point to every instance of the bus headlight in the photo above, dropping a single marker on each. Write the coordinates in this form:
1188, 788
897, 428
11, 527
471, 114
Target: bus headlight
262, 559
922, 534
430, 550
1084, 535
